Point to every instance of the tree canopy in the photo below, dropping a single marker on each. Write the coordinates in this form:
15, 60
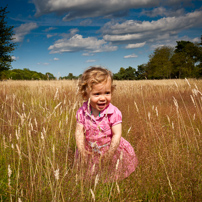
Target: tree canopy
6, 45
26, 74
185, 60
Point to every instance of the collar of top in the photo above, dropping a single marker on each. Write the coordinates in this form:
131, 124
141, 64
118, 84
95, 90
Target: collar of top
107, 110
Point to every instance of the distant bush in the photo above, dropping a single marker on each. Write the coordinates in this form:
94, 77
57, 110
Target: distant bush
26, 74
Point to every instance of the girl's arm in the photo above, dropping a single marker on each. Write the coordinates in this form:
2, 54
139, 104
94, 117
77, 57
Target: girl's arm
80, 141
116, 131
80, 138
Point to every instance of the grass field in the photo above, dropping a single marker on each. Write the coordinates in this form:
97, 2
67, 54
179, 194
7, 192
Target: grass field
161, 119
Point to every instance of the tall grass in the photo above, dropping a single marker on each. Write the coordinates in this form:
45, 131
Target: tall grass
161, 119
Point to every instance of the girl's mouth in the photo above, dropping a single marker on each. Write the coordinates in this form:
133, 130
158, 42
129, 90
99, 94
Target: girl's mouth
101, 105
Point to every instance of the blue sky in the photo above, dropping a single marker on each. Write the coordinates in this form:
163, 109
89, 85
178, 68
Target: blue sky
67, 36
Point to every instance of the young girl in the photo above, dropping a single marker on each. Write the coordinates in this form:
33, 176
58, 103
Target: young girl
99, 127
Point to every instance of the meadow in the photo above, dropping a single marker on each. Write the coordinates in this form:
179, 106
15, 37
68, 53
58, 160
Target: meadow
161, 119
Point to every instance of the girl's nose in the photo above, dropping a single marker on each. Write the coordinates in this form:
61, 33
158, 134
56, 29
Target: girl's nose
102, 97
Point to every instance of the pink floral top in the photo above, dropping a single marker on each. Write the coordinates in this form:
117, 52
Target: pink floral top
98, 136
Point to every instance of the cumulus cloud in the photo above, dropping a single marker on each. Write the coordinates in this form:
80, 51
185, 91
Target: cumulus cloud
78, 43
136, 45
90, 8
49, 35
131, 56
14, 58
49, 29
88, 54
23, 30
86, 22
132, 31
162, 11
89, 61
45, 63
56, 59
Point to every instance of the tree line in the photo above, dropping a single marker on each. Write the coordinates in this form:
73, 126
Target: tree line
25, 74
185, 60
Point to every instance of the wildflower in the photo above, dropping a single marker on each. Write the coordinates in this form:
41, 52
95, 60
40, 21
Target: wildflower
42, 136
193, 100
172, 125
53, 149
18, 149
57, 106
93, 195
157, 114
4, 142
23, 106
93, 169
35, 122
168, 118
121, 155
187, 82
136, 107
195, 92
149, 115
56, 94
76, 179
96, 180
16, 134
117, 186
176, 104
129, 130
9, 171
117, 164
56, 173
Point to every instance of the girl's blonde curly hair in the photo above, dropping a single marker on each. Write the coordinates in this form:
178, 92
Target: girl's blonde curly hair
92, 76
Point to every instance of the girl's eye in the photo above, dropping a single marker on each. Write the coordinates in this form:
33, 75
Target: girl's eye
108, 93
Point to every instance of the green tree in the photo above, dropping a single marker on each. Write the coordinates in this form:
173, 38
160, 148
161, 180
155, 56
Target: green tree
160, 65
6, 45
187, 60
130, 73
141, 72
125, 74
50, 76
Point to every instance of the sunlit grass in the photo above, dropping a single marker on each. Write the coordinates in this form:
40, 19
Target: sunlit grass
161, 119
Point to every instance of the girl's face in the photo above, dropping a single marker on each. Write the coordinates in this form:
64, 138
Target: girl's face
100, 96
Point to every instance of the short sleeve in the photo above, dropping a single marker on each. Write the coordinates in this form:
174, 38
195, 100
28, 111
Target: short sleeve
80, 116
116, 117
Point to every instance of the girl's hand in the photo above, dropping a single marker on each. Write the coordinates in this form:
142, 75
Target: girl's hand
84, 155
106, 158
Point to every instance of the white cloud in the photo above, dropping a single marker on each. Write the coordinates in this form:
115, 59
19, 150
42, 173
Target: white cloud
131, 56
50, 35
23, 30
86, 22
71, 34
196, 40
56, 59
90, 8
49, 29
14, 58
162, 11
133, 32
89, 61
78, 43
136, 45
45, 63
87, 54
